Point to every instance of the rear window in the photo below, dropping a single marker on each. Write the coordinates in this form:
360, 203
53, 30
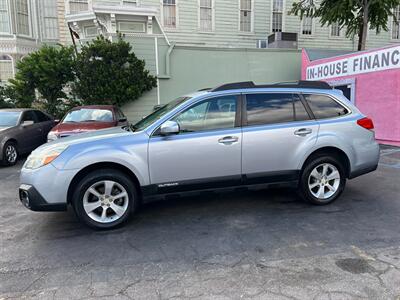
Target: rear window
325, 107
274, 108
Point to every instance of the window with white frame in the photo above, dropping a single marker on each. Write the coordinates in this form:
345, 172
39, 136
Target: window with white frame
90, 31
335, 29
50, 20
307, 26
396, 25
76, 6
23, 26
6, 67
4, 16
169, 13
245, 15
131, 27
206, 15
277, 15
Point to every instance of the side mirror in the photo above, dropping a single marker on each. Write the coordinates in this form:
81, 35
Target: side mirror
56, 121
169, 127
124, 119
27, 123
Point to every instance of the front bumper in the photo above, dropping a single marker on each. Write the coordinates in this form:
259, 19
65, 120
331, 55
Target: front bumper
32, 199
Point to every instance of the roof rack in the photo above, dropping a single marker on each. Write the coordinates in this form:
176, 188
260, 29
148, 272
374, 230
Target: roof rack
296, 84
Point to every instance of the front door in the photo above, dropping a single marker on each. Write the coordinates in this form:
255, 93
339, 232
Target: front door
277, 132
205, 154
30, 136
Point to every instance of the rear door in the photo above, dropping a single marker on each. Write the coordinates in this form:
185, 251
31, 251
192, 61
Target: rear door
277, 132
46, 124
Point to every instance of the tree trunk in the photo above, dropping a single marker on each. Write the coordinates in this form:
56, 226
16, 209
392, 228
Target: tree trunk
362, 34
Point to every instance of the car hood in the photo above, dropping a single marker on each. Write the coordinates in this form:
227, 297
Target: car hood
80, 127
86, 137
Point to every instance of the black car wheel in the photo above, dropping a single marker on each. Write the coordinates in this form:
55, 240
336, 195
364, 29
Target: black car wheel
104, 199
10, 154
322, 180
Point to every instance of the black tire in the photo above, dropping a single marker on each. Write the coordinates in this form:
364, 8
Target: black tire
98, 176
6, 159
303, 188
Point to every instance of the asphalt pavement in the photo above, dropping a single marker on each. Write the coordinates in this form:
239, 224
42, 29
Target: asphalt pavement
263, 244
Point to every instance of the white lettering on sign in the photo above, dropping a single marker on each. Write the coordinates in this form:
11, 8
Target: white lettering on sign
380, 60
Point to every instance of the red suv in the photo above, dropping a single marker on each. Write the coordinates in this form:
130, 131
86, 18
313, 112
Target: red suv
87, 118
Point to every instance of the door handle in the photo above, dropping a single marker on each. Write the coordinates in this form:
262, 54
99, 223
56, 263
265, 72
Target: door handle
303, 131
227, 140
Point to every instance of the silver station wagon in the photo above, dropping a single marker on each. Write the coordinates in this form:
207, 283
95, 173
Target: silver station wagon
304, 135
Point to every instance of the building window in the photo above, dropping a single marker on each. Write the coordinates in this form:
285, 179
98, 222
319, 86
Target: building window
131, 27
50, 20
169, 13
277, 15
23, 17
4, 17
396, 25
76, 6
91, 31
335, 29
307, 26
6, 68
245, 15
206, 15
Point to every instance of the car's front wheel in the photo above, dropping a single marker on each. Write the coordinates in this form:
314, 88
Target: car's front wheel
322, 180
104, 199
10, 154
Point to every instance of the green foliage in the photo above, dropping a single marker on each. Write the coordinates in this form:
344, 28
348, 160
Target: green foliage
358, 16
48, 71
6, 94
110, 73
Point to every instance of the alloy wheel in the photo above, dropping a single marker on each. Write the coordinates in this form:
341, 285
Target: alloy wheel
105, 201
11, 154
324, 181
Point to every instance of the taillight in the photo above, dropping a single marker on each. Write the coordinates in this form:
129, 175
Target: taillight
366, 123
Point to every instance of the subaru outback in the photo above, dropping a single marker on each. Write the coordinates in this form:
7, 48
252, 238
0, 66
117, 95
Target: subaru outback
304, 135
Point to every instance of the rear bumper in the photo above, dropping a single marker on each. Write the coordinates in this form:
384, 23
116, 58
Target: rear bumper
363, 171
33, 200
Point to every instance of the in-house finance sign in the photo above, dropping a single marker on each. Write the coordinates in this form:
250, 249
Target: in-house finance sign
380, 60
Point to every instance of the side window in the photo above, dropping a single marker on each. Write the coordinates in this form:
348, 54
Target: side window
41, 117
216, 113
300, 113
325, 107
29, 116
274, 108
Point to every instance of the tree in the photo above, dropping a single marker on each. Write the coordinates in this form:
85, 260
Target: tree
357, 15
48, 71
5, 99
110, 73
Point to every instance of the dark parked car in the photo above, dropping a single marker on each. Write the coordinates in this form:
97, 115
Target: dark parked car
21, 131
88, 118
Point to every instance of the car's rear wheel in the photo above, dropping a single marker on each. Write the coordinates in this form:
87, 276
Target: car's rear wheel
104, 199
10, 154
322, 180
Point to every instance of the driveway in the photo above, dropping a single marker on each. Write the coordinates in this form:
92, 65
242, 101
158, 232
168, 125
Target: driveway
259, 244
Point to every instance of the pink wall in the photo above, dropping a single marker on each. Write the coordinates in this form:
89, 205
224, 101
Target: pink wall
377, 95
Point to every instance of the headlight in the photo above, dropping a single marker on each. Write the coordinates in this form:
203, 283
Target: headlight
51, 137
44, 156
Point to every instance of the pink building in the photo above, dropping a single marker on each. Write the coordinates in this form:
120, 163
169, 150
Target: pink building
370, 79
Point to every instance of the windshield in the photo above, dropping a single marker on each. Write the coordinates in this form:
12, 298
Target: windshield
89, 115
9, 118
156, 115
